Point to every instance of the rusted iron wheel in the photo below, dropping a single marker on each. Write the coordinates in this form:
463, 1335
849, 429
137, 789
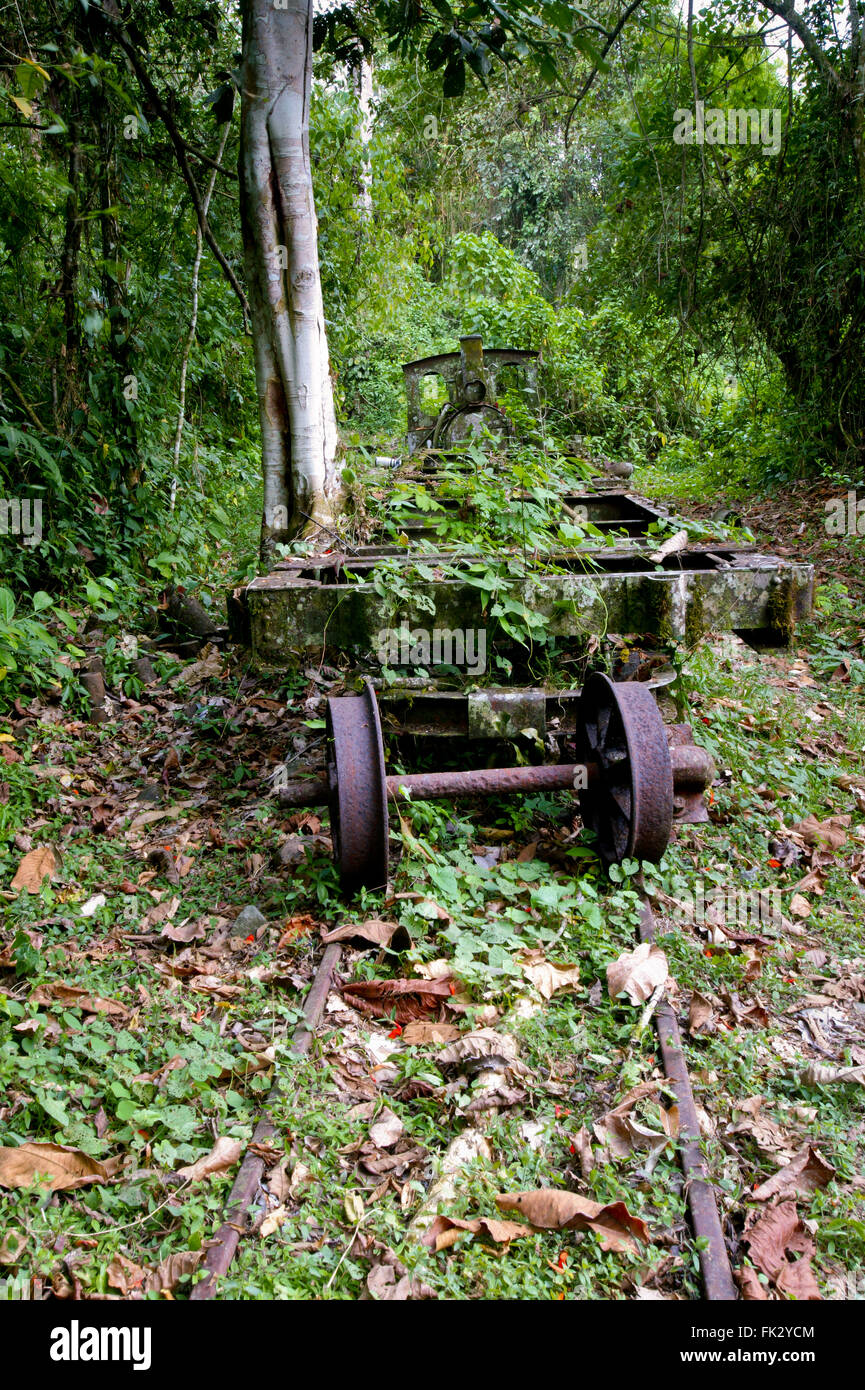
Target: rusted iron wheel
629, 805
358, 791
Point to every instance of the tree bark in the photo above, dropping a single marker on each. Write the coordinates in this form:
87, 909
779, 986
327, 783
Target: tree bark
280, 238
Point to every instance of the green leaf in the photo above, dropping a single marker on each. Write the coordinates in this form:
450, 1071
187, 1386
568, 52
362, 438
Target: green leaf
66, 619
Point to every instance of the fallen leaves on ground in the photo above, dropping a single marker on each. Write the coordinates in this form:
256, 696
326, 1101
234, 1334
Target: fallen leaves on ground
621, 1132
371, 933
827, 834
781, 1248
223, 1155
446, 1230
638, 973
390, 1282
804, 1175
41, 863
701, 1015
548, 979
386, 1130
422, 1031
409, 999
766, 1133
819, 1075
551, 1208
273, 1221
71, 997
58, 1167
483, 1044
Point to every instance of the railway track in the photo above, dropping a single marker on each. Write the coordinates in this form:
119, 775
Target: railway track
246, 1192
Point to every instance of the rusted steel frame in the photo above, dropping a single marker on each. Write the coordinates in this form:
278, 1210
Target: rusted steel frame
717, 1275
248, 1180
693, 770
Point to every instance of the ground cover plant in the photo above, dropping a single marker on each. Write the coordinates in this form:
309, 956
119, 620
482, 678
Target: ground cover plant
208, 299
142, 1030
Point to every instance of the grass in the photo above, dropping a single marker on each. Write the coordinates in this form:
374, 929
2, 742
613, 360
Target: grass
180, 1061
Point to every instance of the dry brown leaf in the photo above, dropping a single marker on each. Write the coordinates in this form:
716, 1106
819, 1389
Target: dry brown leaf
41, 863
372, 933
829, 834
483, 1042
215, 985
801, 1177
279, 1181
12, 1247
752, 1290
125, 1275
749, 1015
583, 1146
207, 667
800, 906
701, 1015
165, 1276
223, 1155
273, 1221
763, 1130
162, 911
637, 973
71, 997
440, 969
774, 1241
446, 1230
405, 1000
548, 979
422, 1031
173, 1064
551, 1208
387, 1129
819, 1075
671, 546
390, 1282
58, 1166
187, 931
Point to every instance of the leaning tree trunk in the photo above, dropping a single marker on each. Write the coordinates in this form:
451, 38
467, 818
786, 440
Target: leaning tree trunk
280, 240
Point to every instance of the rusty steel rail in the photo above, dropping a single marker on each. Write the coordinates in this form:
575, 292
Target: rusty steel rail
248, 1180
715, 1268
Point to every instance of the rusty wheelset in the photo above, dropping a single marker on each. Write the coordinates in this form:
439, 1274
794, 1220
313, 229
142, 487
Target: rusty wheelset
634, 777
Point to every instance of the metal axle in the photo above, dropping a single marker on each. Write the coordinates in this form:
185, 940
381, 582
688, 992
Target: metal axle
693, 771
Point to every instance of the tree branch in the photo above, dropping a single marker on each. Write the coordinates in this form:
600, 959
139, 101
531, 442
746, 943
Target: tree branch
784, 9
611, 39
180, 147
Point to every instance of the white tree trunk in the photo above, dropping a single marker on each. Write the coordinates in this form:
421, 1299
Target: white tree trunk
363, 81
280, 236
